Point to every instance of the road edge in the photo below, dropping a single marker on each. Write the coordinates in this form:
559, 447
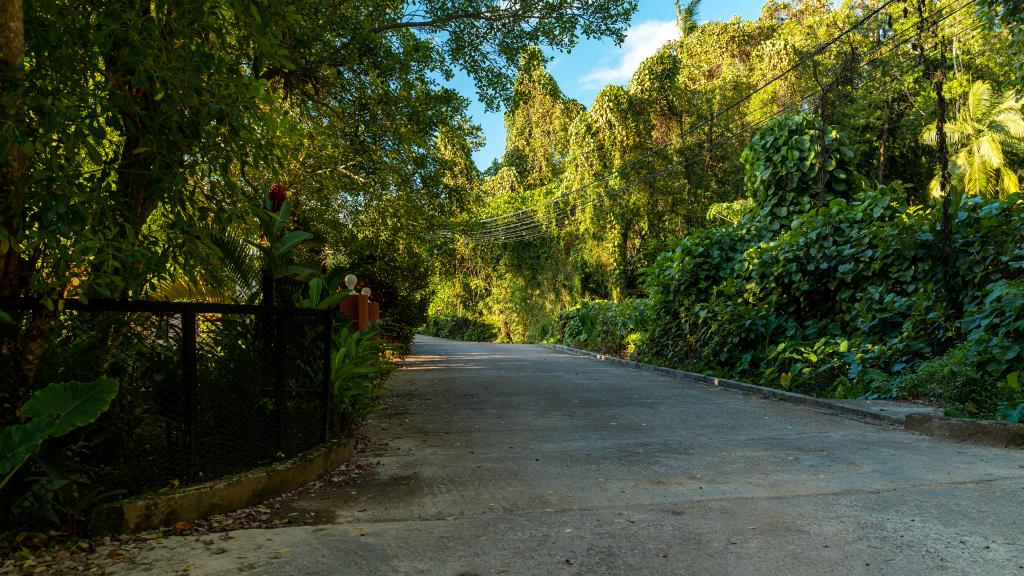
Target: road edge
986, 432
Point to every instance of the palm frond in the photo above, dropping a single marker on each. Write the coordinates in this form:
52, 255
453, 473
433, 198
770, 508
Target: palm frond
990, 151
979, 101
239, 260
181, 290
928, 135
686, 16
1009, 181
1010, 122
984, 129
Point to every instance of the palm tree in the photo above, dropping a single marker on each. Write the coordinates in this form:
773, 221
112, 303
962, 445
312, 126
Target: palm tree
985, 128
686, 17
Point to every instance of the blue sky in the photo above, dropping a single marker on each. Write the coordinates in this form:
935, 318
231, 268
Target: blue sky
594, 64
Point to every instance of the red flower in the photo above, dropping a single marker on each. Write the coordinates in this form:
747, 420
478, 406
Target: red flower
278, 194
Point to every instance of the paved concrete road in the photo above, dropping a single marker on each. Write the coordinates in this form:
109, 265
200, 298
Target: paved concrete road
501, 459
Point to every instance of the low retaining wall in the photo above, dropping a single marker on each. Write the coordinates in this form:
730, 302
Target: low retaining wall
220, 496
989, 432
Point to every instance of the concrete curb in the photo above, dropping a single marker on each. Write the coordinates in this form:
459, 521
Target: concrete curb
734, 385
988, 432
219, 496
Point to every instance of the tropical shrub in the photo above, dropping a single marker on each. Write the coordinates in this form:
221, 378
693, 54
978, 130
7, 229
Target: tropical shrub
50, 492
830, 288
604, 326
796, 163
459, 328
358, 365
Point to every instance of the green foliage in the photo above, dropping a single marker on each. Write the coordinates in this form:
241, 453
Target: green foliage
1008, 17
795, 163
70, 405
850, 297
643, 166
358, 364
54, 411
1010, 414
731, 212
459, 328
135, 137
19, 443
987, 129
606, 327
323, 293
279, 242
960, 380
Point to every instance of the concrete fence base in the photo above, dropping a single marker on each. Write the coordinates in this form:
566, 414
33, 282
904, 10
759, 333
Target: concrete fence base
219, 496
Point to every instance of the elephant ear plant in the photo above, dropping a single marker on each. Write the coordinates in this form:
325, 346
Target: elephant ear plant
358, 365
53, 412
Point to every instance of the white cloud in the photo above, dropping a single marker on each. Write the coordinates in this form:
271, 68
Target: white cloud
642, 40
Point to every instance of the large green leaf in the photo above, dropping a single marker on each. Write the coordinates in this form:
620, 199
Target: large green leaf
290, 241
282, 218
70, 405
332, 301
19, 442
294, 271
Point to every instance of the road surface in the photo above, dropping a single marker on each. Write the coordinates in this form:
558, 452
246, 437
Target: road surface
505, 459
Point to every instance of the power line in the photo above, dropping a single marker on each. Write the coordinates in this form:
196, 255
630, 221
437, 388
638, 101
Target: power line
534, 227
802, 61
531, 220
515, 231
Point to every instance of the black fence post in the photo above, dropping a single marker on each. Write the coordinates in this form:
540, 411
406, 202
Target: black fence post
280, 394
327, 387
190, 378
272, 349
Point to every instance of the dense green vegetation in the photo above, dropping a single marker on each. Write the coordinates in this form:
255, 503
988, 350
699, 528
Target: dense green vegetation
762, 204
237, 152
825, 199
139, 141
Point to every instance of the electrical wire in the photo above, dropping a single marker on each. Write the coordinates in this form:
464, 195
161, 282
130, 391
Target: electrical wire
531, 219
532, 227
538, 228
802, 61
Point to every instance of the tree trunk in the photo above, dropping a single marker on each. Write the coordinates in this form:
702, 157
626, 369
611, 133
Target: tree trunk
621, 287
883, 141
710, 138
14, 387
12, 168
942, 157
941, 150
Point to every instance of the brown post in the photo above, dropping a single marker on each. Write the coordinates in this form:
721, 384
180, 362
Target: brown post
364, 312
374, 311
349, 307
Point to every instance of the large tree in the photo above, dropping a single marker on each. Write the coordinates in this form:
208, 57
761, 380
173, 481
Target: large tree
133, 131
191, 108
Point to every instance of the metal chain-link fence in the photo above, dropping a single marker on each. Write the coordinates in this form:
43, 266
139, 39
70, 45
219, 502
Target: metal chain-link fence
205, 389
